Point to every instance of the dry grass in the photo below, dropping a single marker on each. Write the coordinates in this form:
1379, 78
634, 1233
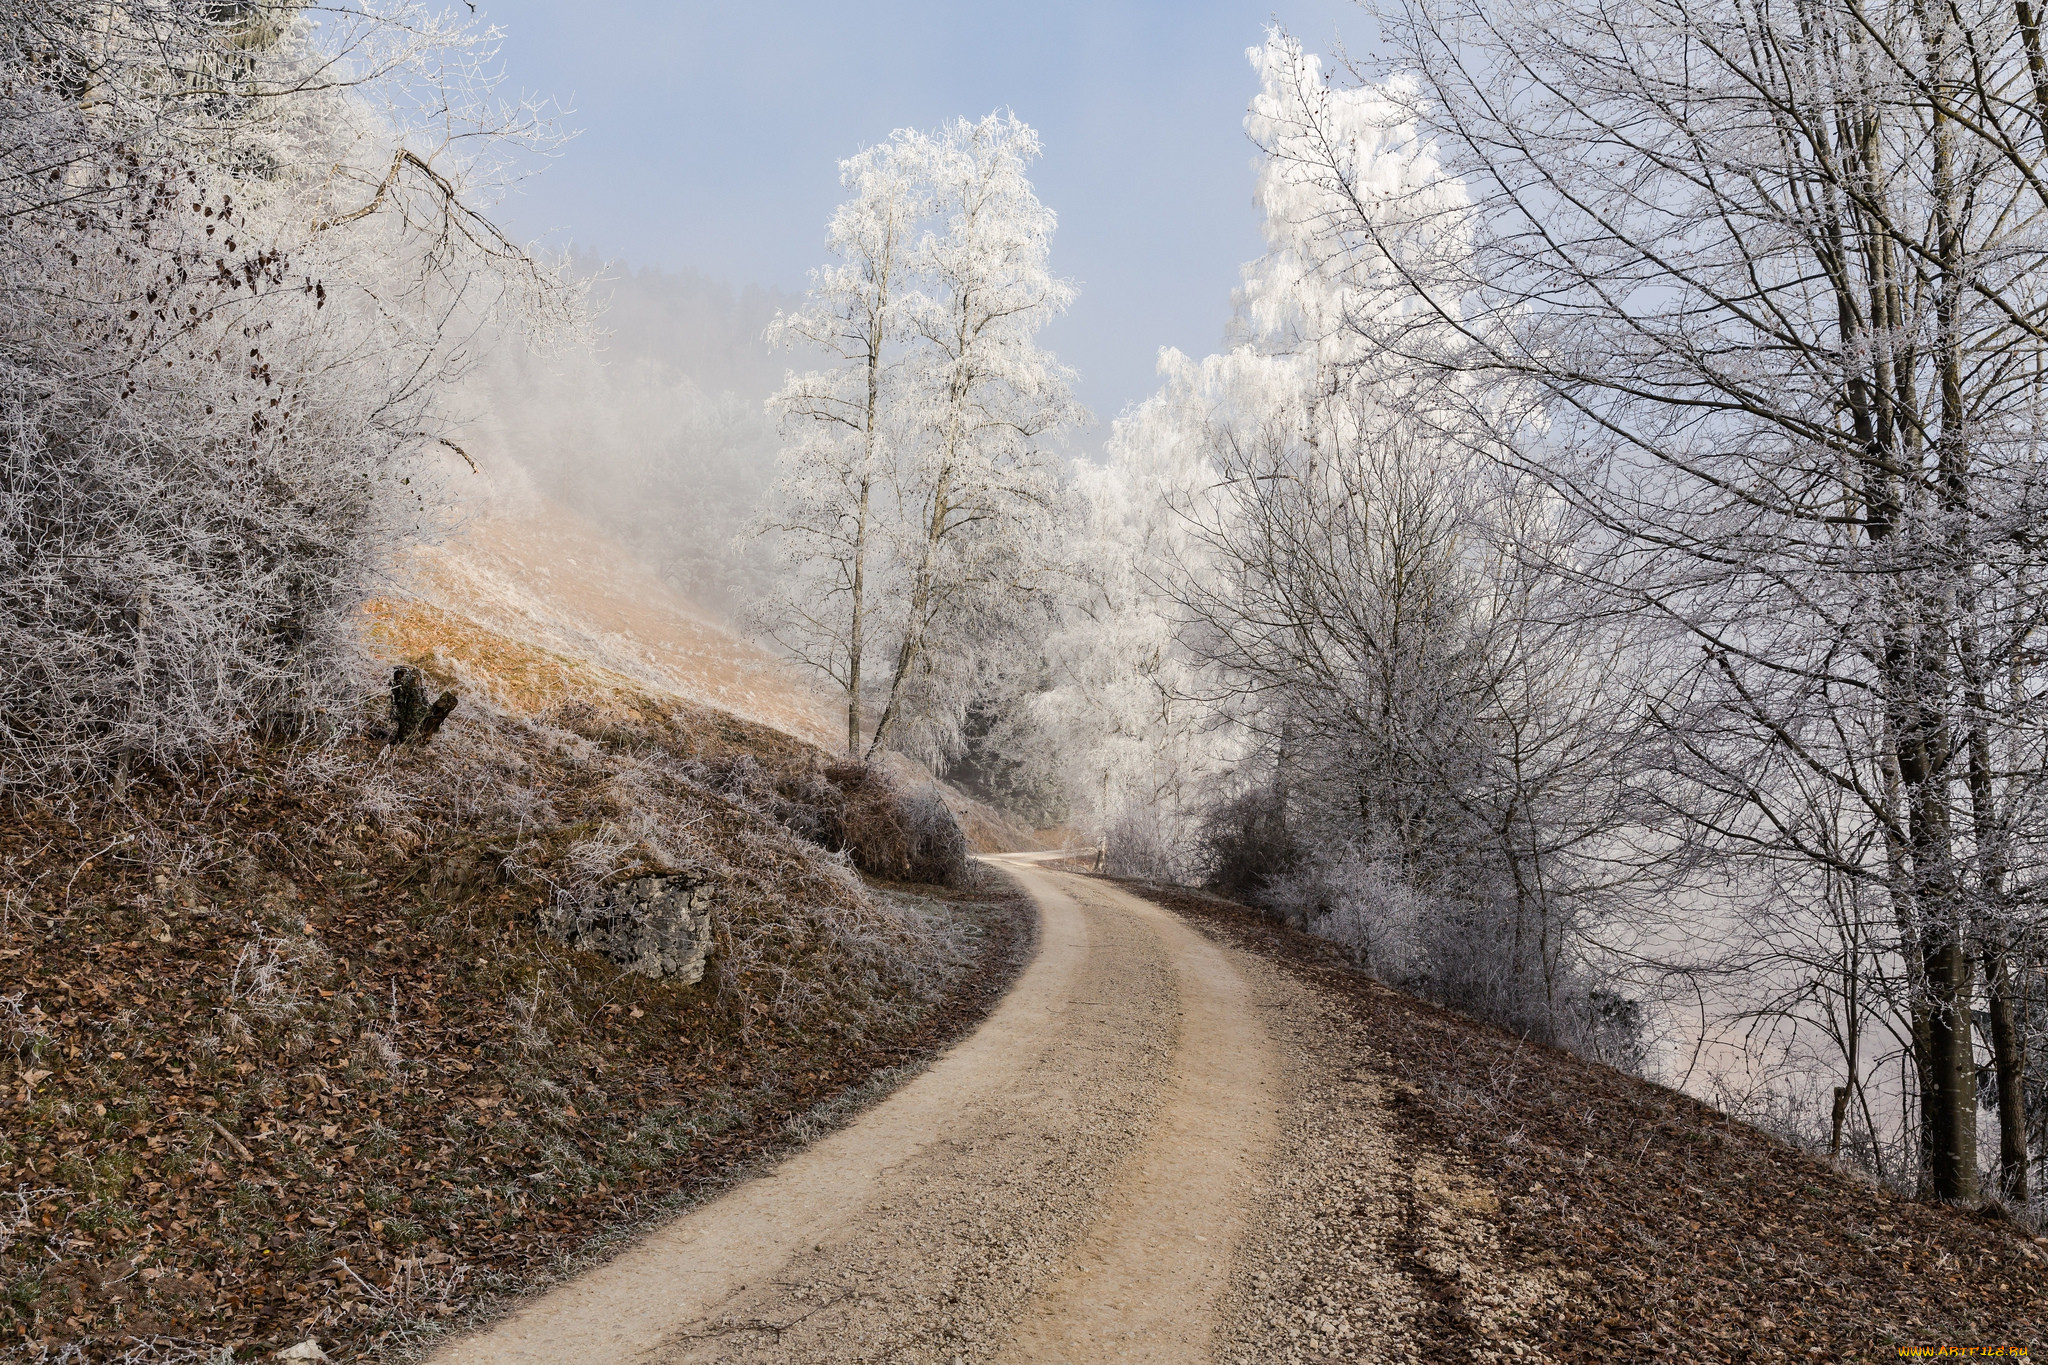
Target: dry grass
515, 678
284, 1051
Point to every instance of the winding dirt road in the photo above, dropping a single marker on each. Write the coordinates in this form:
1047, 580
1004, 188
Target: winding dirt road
1068, 1184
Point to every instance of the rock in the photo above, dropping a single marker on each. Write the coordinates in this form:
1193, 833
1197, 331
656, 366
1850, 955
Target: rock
308, 1349
651, 926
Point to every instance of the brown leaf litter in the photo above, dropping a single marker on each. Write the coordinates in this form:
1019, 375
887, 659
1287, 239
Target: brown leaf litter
1523, 1203
283, 1053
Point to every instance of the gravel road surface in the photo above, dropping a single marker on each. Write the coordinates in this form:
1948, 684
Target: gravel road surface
1068, 1184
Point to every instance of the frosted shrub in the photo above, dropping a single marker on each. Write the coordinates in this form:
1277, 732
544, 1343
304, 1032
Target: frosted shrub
937, 849
1458, 945
1363, 904
893, 832
220, 336
1137, 843
1247, 848
193, 481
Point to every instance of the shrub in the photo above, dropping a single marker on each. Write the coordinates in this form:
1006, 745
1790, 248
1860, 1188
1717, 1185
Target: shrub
214, 379
1458, 944
1245, 844
886, 830
193, 483
907, 836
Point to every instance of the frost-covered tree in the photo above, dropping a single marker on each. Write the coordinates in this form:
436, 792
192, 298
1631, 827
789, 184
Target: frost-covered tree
1771, 279
1323, 654
839, 423
977, 480
1124, 724
918, 482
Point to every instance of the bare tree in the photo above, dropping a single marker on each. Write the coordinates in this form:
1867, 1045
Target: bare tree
1449, 722
1773, 278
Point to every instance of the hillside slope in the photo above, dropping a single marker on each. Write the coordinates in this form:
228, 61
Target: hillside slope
287, 1050
529, 569
1452, 1193
520, 567
1187, 1135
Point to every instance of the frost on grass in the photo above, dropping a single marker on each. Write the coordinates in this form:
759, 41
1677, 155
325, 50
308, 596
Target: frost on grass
639, 792
342, 949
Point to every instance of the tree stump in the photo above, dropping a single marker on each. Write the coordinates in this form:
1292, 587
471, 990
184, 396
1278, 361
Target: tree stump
413, 717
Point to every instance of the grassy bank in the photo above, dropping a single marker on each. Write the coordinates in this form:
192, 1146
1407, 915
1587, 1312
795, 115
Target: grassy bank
286, 1053
1677, 1232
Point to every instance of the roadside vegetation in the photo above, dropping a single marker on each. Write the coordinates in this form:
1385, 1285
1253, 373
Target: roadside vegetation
289, 1053
1541, 1199
292, 1042
1599, 580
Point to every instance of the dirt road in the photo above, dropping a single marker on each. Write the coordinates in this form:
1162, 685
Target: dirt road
1066, 1185
1161, 1148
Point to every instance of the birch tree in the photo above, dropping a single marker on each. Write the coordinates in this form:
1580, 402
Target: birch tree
976, 472
838, 423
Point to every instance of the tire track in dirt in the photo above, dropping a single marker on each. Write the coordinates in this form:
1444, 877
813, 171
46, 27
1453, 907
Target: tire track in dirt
1146, 1282
1066, 1184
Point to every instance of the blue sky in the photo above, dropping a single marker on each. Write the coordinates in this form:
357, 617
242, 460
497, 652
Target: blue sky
710, 135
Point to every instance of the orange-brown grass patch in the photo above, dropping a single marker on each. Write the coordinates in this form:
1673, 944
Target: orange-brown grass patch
542, 572
517, 678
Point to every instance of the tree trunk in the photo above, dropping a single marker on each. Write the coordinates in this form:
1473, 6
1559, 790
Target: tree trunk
1948, 1071
856, 635
856, 642
1948, 1099
2007, 1052
1951, 1103
2009, 1062
913, 628
413, 717
936, 531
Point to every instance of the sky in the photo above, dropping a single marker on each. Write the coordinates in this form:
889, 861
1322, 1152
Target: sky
709, 136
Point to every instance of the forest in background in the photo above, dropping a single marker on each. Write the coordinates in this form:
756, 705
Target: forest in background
1598, 582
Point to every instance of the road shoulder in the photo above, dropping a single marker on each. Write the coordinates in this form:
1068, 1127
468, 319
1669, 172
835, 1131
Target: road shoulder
1448, 1192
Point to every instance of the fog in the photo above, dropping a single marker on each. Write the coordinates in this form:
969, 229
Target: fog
656, 430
